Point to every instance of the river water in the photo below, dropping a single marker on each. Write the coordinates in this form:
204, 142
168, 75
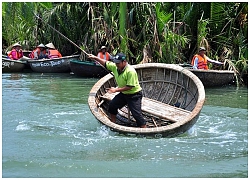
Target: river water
49, 131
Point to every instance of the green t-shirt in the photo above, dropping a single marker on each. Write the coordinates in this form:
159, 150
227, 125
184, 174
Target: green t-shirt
128, 77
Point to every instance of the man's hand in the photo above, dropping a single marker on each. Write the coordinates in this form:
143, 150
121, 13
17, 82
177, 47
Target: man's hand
112, 90
91, 56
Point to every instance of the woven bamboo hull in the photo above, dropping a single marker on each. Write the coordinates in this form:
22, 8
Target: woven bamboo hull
9, 66
87, 69
57, 65
214, 78
165, 83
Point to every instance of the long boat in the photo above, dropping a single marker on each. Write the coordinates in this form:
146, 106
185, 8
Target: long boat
173, 98
212, 78
56, 65
87, 69
9, 65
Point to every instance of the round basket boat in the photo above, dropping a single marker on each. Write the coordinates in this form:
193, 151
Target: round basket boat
172, 101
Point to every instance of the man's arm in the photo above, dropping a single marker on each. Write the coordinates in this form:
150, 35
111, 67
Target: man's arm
213, 61
116, 89
36, 54
195, 66
93, 57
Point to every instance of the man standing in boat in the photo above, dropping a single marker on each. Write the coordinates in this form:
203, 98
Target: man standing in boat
200, 60
128, 87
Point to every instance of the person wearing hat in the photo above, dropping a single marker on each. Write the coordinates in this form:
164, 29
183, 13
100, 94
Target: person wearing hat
39, 53
200, 60
103, 54
52, 51
128, 87
16, 52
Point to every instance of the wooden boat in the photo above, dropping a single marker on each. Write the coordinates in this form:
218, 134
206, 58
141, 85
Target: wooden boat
172, 100
212, 78
56, 65
87, 69
9, 66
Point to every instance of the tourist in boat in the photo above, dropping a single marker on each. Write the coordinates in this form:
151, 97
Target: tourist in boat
103, 54
52, 51
16, 53
128, 87
200, 60
39, 53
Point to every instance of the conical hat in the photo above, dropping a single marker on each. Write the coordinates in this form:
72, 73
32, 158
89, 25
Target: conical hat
103, 47
50, 45
202, 49
16, 44
41, 45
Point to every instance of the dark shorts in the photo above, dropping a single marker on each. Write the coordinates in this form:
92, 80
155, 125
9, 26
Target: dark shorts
134, 103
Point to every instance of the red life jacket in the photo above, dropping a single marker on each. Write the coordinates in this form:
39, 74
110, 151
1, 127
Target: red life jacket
14, 54
202, 62
53, 53
106, 57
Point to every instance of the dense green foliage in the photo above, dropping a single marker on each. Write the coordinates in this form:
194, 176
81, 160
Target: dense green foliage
168, 32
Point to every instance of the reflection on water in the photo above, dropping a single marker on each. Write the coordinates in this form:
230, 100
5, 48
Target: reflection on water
49, 131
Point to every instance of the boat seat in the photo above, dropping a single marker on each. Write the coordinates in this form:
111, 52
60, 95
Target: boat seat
156, 108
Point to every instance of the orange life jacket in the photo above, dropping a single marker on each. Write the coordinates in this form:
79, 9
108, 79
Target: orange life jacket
14, 54
40, 54
53, 53
202, 62
102, 56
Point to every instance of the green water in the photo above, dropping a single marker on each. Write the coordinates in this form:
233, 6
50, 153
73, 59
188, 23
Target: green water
49, 131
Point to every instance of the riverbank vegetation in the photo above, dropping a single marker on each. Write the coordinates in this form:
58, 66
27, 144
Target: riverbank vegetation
167, 32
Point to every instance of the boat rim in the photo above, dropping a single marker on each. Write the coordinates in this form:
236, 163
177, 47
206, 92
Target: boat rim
42, 60
212, 70
12, 60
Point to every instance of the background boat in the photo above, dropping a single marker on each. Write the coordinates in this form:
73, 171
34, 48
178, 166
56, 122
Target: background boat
87, 68
57, 65
172, 100
214, 78
9, 65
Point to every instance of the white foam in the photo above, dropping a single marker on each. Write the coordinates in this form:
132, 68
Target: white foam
22, 127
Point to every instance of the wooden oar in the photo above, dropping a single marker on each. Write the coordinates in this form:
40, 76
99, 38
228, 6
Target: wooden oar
62, 35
